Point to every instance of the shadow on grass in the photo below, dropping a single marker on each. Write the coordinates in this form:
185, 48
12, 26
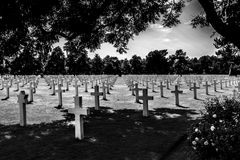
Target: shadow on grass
209, 94
165, 97
181, 106
109, 134
218, 92
198, 99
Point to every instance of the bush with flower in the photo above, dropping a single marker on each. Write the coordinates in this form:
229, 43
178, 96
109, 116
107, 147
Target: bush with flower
217, 134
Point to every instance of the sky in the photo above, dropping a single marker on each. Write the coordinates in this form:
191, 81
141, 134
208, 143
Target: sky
195, 42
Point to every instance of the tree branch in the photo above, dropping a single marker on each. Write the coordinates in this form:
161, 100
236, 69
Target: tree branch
230, 32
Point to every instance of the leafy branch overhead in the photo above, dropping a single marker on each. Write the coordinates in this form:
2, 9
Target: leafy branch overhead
89, 22
223, 16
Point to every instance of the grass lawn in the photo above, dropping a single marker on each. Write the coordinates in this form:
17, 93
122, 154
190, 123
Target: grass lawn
117, 131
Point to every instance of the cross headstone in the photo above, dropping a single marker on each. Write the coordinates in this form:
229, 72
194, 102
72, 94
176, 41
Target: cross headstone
86, 87
147, 83
23, 82
161, 88
49, 83
167, 84
195, 90
67, 85
76, 88
130, 85
61, 82
34, 86
104, 91
132, 88
96, 94
22, 100
11, 81
92, 84
79, 112
30, 93
145, 99
7, 92
190, 84
53, 88
235, 93
153, 84
2, 84
238, 86
225, 83
17, 86
221, 82
59, 95
206, 87
215, 85
136, 89
108, 87
176, 92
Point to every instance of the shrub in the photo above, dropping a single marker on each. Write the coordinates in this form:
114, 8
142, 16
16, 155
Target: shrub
217, 134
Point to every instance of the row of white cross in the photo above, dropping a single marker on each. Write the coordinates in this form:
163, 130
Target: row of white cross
78, 111
133, 84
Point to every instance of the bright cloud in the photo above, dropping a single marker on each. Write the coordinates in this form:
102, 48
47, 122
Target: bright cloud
160, 28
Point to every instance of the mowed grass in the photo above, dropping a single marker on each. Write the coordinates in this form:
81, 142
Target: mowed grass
117, 131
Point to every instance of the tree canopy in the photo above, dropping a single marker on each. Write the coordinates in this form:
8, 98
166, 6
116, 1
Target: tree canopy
85, 24
223, 16
88, 23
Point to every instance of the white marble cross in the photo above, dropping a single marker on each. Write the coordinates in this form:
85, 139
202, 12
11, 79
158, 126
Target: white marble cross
96, 94
238, 86
76, 87
86, 87
194, 88
136, 90
30, 92
53, 88
206, 85
145, 99
167, 84
176, 92
161, 88
215, 85
67, 85
22, 100
104, 91
7, 91
17, 86
153, 84
108, 87
59, 95
79, 112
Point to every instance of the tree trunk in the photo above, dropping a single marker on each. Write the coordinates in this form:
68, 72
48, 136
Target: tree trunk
230, 32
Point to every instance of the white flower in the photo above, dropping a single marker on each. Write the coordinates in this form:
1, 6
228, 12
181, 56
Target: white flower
213, 144
206, 143
220, 121
194, 148
212, 128
196, 130
194, 142
214, 116
196, 139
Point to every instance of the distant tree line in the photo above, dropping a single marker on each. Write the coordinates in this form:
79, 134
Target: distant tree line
76, 61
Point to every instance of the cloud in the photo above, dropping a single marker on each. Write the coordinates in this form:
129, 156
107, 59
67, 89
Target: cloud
188, 22
166, 40
160, 28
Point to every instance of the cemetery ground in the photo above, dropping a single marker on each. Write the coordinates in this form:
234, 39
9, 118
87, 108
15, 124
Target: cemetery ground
117, 131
